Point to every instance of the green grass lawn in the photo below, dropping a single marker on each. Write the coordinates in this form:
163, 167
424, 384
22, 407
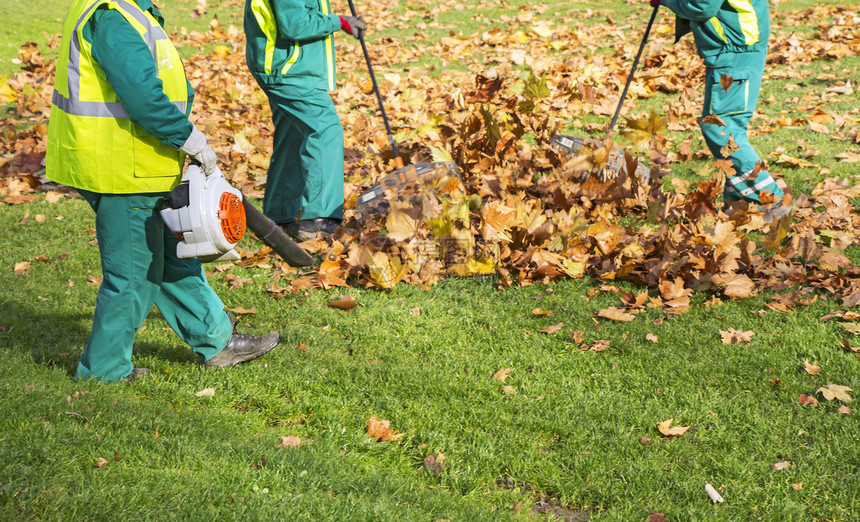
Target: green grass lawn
569, 434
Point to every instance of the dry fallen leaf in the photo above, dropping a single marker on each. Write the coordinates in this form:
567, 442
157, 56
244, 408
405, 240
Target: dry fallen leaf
615, 314
379, 430
651, 337
243, 311
599, 346
676, 431
835, 391
207, 392
540, 312
435, 463
291, 441
732, 336
344, 302
501, 375
811, 368
21, 268
845, 410
806, 399
553, 328
780, 465
798, 486
102, 462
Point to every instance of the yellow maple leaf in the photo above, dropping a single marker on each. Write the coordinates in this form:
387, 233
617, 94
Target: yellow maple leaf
7, 95
811, 368
641, 130
677, 431
384, 270
835, 391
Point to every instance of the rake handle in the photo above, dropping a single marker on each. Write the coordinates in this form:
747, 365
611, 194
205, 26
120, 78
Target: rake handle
398, 161
632, 70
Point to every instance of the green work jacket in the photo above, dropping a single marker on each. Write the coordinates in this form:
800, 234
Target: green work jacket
723, 26
291, 42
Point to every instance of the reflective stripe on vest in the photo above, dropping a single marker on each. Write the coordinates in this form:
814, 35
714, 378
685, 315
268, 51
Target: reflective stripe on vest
718, 27
748, 20
329, 47
265, 18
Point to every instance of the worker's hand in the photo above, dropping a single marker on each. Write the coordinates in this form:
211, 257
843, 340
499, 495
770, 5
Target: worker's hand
655, 3
352, 25
196, 147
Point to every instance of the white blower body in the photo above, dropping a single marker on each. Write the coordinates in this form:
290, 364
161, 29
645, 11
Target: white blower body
207, 213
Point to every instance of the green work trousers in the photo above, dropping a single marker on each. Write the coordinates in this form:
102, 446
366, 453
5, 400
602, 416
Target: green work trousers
305, 179
735, 106
139, 269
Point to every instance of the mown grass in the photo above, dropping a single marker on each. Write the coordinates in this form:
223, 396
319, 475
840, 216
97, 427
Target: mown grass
568, 436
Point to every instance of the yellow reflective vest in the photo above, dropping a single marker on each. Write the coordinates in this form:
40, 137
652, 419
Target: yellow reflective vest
92, 143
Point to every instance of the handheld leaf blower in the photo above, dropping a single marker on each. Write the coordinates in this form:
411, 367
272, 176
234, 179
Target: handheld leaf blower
211, 216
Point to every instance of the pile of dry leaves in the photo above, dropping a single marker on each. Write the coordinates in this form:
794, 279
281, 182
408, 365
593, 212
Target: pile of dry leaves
518, 210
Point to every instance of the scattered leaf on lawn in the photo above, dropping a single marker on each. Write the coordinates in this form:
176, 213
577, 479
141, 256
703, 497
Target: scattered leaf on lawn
780, 465
835, 391
234, 281
732, 336
102, 462
676, 431
553, 328
508, 390
379, 430
434, 463
811, 368
845, 410
207, 392
849, 327
797, 485
651, 337
291, 441
540, 312
344, 302
615, 314
599, 346
806, 399
501, 375
22, 268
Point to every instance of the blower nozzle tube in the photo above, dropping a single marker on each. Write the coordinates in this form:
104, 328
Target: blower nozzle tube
271, 234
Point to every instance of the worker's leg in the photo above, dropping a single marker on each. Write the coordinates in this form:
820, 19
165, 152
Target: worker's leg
131, 269
735, 106
189, 305
305, 178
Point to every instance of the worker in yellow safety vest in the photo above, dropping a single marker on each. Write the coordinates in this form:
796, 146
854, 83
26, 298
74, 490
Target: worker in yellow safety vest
290, 52
119, 133
731, 37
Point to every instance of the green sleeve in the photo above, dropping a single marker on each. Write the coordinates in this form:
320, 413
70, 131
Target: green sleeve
696, 10
129, 67
298, 22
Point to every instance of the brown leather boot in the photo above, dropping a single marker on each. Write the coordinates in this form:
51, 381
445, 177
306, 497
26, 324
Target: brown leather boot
243, 348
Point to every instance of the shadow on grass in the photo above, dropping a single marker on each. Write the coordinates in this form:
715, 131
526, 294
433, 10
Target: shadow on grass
57, 340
